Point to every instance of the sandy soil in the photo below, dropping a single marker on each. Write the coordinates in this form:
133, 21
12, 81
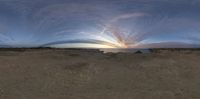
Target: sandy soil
79, 74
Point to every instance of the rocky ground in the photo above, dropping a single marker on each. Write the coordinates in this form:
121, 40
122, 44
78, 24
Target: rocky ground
87, 74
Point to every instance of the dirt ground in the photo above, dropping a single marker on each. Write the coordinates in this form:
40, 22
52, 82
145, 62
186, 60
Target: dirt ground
82, 74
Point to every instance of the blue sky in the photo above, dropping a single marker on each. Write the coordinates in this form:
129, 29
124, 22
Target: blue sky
100, 23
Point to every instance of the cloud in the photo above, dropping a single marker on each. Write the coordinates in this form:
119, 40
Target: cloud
127, 16
168, 45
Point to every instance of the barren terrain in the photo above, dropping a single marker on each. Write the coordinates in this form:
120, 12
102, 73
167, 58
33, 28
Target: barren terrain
90, 74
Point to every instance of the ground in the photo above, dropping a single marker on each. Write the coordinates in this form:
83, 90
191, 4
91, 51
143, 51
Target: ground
87, 74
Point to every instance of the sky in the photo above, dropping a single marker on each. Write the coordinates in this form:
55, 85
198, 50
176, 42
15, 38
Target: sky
100, 23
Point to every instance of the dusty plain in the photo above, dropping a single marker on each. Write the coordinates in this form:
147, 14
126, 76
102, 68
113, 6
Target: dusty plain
91, 74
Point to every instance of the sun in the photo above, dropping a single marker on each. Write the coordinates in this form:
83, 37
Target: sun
113, 38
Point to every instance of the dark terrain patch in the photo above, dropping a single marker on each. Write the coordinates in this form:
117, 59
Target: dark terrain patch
74, 55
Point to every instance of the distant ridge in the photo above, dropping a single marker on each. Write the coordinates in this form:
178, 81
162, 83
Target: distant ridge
136, 51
